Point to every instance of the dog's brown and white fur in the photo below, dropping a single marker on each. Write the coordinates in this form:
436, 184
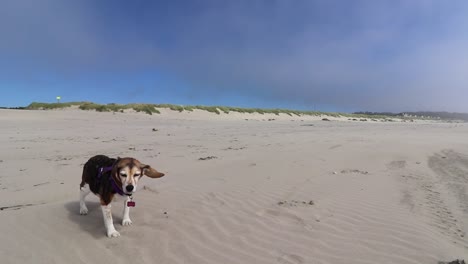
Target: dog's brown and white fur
125, 173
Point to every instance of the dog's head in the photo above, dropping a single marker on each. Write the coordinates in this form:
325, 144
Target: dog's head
128, 171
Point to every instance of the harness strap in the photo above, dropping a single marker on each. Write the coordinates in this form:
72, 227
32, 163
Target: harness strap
115, 186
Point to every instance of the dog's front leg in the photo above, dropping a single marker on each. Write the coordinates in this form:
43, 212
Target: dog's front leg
126, 213
107, 214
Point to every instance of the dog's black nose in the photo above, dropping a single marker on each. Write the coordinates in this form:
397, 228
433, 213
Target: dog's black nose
129, 188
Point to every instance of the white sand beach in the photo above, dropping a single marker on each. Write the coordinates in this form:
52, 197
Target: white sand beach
289, 190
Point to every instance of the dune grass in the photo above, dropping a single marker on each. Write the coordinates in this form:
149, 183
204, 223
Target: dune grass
46, 106
147, 108
153, 109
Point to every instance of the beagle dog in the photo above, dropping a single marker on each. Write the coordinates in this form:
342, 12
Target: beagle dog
106, 177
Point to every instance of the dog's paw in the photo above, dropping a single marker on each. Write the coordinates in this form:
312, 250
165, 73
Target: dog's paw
113, 233
83, 211
127, 222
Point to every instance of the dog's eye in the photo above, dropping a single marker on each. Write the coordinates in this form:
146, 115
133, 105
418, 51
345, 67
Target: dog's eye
136, 175
123, 174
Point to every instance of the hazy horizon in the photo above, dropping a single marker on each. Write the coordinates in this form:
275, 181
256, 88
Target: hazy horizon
341, 56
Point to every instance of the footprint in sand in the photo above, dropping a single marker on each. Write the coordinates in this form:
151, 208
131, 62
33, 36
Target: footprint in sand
290, 259
354, 171
335, 146
397, 164
294, 203
286, 218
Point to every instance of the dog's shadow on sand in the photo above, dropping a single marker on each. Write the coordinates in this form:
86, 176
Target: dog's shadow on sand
92, 222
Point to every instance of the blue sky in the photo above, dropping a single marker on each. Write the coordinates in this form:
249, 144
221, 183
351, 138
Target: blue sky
304, 54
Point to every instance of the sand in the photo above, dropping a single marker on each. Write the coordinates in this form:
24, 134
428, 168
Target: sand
289, 190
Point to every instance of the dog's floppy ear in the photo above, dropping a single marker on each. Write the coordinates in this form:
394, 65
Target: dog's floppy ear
151, 172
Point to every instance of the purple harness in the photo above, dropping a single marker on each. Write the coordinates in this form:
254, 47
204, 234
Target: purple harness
116, 188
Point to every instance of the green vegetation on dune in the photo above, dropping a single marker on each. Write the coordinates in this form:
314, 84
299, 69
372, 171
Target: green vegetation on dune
147, 108
211, 109
93, 106
170, 106
153, 109
37, 105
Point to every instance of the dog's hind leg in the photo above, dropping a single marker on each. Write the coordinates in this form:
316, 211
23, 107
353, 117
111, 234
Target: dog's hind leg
84, 191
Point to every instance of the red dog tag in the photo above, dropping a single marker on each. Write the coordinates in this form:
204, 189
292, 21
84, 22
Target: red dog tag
131, 204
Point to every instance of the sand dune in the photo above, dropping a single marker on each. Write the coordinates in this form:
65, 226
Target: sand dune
289, 190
